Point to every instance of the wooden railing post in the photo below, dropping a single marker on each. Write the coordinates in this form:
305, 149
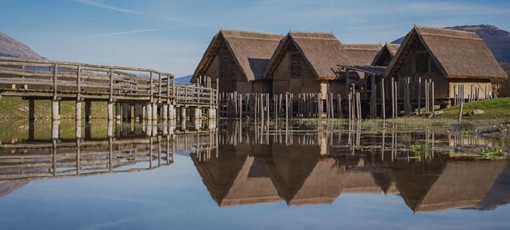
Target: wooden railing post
168, 88
78, 84
185, 95
151, 90
173, 86
111, 84
55, 69
159, 88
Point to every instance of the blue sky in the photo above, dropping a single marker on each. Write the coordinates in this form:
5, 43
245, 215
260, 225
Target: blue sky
172, 35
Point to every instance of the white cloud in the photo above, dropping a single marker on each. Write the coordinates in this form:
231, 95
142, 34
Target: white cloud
99, 4
126, 32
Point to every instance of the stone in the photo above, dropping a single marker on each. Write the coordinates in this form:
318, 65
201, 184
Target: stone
474, 112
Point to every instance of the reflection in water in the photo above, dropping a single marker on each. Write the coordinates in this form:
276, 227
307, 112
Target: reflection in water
259, 165
133, 148
254, 163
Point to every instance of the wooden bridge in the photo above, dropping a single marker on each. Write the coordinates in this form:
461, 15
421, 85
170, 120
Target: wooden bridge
137, 93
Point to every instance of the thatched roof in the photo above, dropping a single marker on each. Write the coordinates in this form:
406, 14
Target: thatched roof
252, 185
461, 185
251, 51
290, 166
234, 180
387, 51
362, 54
440, 184
321, 51
459, 54
392, 48
322, 186
499, 194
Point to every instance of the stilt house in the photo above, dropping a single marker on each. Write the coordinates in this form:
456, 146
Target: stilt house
304, 63
238, 59
459, 63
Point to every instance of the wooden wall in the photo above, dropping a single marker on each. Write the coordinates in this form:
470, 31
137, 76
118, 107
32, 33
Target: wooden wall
226, 69
482, 88
409, 70
283, 81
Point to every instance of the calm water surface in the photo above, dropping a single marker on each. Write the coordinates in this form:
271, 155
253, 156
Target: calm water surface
248, 176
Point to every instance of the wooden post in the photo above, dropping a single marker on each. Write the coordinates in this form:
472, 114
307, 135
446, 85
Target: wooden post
151, 85
160, 81
383, 100
275, 114
110, 75
261, 105
78, 94
396, 99
432, 97
55, 104
407, 96
78, 83
419, 95
392, 98
240, 106
235, 109
55, 70
373, 103
267, 105
349, 106
427, 93
460, 111
358, 102
168, 83
286, 106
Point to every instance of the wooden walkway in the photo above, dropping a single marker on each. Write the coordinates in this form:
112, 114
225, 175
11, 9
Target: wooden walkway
147, 93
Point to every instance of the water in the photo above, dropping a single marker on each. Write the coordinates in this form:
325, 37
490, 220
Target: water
248, 176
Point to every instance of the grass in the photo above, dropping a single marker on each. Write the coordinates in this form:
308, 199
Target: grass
492, 154
17, 107
494, 109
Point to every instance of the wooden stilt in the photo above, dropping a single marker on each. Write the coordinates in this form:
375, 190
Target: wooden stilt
383, 100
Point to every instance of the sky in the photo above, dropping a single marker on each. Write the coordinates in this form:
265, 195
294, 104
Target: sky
171, 36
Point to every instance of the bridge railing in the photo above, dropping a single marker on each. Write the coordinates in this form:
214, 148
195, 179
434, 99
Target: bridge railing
60, 79
55, 79
196, 95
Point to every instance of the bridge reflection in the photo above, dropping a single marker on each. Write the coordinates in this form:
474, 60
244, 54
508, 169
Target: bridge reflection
255, 166
125, 148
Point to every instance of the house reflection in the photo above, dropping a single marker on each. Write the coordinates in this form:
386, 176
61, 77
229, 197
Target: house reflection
313, 171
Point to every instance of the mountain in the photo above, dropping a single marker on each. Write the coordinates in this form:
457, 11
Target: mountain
10, 47
497, 40
186, 80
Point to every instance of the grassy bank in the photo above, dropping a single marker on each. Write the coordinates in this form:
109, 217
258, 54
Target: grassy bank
494, 109
16, 107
